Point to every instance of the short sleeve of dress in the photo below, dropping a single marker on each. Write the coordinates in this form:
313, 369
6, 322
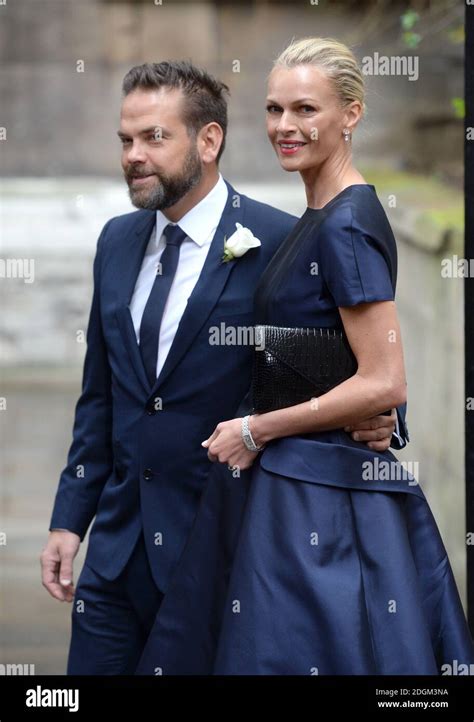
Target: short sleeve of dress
358, 257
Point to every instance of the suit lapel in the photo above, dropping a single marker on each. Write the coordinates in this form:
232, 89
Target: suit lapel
131, 268
207, 290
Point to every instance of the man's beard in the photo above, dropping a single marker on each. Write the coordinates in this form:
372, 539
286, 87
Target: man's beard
166, 190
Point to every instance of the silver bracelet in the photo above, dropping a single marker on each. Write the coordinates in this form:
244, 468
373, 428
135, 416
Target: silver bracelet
247, 436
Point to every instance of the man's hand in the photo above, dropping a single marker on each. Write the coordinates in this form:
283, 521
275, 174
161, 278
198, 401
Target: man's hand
377, 431
56, 564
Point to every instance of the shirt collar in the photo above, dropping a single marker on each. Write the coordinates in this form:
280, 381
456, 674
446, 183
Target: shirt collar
201, 221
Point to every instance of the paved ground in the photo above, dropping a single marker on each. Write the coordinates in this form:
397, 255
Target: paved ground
35, 433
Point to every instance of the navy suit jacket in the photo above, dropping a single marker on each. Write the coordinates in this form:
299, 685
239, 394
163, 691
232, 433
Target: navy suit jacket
136, 460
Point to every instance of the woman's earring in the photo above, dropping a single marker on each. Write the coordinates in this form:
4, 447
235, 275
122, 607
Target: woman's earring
347, 134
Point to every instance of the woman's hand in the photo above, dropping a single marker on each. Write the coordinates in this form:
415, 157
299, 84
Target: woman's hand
225, 445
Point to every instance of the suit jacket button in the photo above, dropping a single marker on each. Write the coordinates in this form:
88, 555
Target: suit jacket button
147, 474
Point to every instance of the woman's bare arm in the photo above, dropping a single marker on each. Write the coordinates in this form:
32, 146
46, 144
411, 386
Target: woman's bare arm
379, 384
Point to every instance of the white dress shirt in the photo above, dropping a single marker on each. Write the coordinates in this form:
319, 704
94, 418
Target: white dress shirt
200, 224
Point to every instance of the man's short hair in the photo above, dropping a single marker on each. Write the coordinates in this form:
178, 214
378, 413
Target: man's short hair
205, 98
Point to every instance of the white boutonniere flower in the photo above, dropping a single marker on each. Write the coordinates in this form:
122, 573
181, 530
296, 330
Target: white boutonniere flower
239, 243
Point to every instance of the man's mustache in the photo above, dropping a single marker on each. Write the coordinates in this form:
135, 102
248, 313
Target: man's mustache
129, 175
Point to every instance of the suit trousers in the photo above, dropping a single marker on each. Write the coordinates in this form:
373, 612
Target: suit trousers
111, 620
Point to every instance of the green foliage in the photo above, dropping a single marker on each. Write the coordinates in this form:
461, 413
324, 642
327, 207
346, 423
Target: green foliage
409, 19
457, 35
411, 40
459, 107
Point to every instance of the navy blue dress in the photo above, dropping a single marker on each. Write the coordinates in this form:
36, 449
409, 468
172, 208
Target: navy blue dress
324, 557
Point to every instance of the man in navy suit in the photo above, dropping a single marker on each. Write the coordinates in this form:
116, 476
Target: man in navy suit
153, 386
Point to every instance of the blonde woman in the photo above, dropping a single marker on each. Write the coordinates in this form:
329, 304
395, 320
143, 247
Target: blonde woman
323, 557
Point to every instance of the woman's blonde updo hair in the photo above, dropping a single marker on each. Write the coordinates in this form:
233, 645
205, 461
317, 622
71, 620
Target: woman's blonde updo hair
335, 59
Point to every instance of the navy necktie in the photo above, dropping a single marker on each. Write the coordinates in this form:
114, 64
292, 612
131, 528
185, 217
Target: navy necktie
155, 306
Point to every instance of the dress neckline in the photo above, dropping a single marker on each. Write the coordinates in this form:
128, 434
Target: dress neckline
336, 197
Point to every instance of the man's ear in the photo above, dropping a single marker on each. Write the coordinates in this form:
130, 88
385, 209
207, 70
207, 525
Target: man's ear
210, 139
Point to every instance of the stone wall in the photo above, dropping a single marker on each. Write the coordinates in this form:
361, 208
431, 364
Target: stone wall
63, 62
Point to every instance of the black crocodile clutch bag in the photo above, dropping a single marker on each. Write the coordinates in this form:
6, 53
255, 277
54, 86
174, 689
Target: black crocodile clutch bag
293, 365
